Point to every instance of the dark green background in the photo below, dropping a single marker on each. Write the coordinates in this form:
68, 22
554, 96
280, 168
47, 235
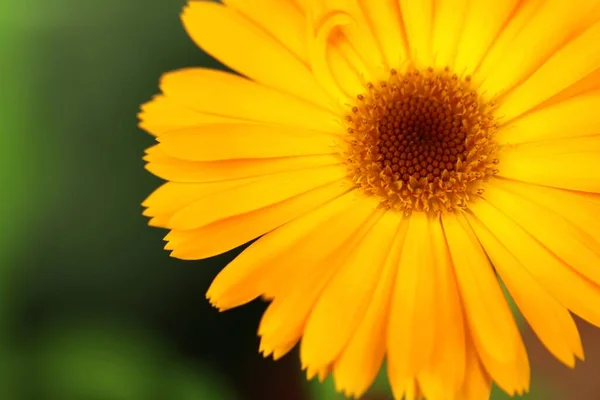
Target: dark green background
92, 307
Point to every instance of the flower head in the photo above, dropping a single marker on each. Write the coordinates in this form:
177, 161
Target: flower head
398, 159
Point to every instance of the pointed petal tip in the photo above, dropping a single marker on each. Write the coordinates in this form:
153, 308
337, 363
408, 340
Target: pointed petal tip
349, 392
278, 354
182, 255
323, 374
269, 351
264, 350
155, 223
217, 301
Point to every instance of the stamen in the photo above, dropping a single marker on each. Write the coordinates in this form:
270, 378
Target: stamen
421, 141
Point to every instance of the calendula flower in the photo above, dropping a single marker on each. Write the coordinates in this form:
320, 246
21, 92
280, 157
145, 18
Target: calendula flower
398, 159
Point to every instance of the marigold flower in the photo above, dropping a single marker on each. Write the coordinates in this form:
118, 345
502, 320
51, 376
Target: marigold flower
398, 159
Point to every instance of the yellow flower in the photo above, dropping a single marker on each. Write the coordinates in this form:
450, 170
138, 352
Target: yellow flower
399, 158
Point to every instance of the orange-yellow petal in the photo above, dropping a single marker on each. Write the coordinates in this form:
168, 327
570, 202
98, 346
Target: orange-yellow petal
348, 78
418, 20
565, 240
411, 330
529, 40
492, 325
478, 383
572, 290
587, 85
280, 18
551, 322
296, 287
503, 42
235, 141
229, 233
576, 60
445, 372
249, 50
330, 326
575, 117
174, 196
330, 53
385, 20
359, 363
572, 163
210, 91
481, 24
164, 114
448, 23
256, 194
177, 170
578, 208
358, 33
245, 278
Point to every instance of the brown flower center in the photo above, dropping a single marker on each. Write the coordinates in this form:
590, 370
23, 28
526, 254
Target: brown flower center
421, 141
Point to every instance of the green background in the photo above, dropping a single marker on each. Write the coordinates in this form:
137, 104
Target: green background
92, 307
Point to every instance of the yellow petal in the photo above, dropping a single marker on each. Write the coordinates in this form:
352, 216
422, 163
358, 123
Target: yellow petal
511, 59
210, 92
579, 209
550, 321
310, 266
587, 85
335, 63
575, 117
229, 233
172, 196
407, 389
280, 351
360, 361
572, 163
257, 194
162, 114
347, 78
411, 328
249, 50
244, 278
280, 18
301, 5
483, 21
345, 299
585, 144
354, 62
489, 318
446, 371
321, 374
478, 383
360, 33
568, 287
283, 281
557, 234
385, 20
520, 16
579, 58
177, 170
418, 19
486, 309
234, 141
448, 23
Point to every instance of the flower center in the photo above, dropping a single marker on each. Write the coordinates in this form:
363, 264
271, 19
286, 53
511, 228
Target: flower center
422, 141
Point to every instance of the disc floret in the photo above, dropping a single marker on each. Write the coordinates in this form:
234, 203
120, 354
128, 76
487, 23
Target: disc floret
421, 141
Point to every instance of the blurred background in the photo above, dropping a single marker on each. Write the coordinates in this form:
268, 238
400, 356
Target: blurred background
91, 306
